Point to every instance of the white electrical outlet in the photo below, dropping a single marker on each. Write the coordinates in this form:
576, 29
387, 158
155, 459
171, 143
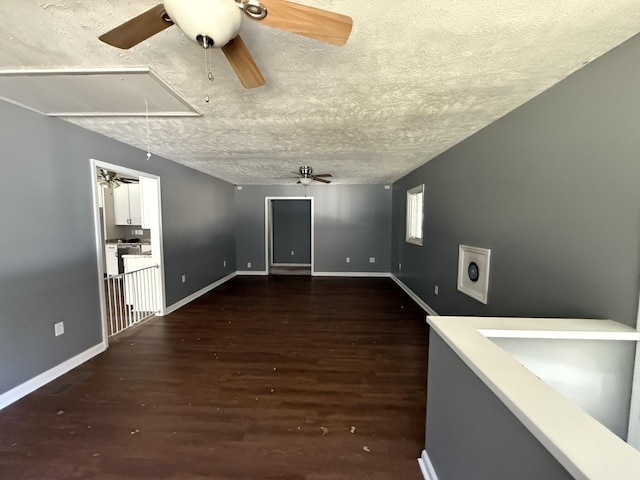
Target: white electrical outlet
184, 278
399, 266
292, 253
224, 263
348, 259
59, 328
248, 264
436, 289
372, 259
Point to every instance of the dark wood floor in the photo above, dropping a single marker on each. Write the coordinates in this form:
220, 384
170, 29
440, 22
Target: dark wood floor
296, 378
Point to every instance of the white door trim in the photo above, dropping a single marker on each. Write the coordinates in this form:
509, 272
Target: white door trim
156, 237
633, 432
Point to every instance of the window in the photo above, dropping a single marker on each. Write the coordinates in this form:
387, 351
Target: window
415, 202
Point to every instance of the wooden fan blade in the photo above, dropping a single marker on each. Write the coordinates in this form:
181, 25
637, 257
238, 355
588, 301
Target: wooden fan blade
323, 175
242, 63
307, 21
138, 29
315, 177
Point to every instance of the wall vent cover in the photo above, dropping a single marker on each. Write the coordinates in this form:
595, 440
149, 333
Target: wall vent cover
473, 271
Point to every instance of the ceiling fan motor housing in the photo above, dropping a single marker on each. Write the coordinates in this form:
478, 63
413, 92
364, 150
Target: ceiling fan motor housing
306, 171
217, 20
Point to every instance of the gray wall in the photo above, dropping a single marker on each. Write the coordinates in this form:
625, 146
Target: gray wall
48, 267
553, 189
350, 221
471, 434
291, 224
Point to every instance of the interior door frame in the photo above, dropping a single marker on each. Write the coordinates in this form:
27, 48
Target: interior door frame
156, 238
268, 230
633, 432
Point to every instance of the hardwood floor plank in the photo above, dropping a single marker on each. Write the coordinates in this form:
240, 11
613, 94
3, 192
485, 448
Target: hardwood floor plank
300, 378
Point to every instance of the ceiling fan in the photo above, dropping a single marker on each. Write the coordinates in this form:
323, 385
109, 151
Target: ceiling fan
107, 179
215, 23
306, 176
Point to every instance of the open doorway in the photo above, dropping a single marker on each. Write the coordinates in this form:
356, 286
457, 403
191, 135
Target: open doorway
289, 235
633, 433
129, 249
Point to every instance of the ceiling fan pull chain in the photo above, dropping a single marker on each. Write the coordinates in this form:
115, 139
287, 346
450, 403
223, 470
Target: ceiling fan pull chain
207, 63
210, 72
146, 110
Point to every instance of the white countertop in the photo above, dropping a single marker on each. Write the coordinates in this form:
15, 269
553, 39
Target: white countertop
582, 445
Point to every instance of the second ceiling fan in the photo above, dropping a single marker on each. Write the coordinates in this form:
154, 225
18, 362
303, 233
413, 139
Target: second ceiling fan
216, 23
306, 176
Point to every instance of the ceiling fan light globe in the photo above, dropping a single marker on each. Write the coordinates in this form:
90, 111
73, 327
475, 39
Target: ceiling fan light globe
305, 181
219, 20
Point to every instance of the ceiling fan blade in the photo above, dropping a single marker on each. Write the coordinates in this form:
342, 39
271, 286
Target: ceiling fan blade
138, 29
322, 175
307, 21
242, 63
315, 177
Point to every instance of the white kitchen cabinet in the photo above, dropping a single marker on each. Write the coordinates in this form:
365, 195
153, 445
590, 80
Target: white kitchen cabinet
126, 203
148, 202
111, 259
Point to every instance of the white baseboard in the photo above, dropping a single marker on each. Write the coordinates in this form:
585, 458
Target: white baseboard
428, 472
290, 264
38, 381
252, 272
351, 274
199, 293
413, 296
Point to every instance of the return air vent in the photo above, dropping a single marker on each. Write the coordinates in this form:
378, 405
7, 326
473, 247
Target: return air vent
473, 272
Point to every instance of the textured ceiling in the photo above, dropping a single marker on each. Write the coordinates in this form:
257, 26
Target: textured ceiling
413, 79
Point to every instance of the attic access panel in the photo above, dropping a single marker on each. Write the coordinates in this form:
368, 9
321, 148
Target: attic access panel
114, 92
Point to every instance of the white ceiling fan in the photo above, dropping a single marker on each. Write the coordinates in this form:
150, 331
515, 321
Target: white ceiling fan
216, 23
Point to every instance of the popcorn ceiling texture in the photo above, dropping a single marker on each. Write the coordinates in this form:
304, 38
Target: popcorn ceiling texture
413, 79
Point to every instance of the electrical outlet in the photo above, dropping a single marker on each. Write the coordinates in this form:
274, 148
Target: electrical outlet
58, 328
184, 278
348, 259
292, 253
399, 266
372, 259
436, 289
248, 264
224, 263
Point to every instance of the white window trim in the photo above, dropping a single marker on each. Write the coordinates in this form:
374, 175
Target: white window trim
411, 194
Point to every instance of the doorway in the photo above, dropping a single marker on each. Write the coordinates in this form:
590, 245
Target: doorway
289, 234
129, 240
633, 433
